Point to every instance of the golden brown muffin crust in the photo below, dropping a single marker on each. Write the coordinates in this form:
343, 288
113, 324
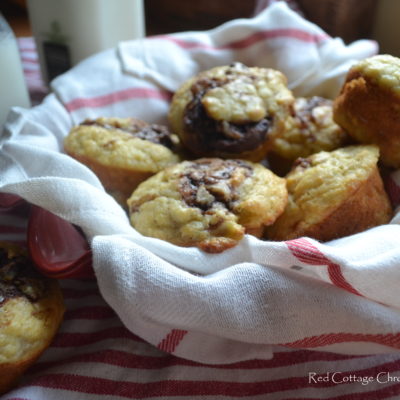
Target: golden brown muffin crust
368, 107
122, 152
31, 310
333, 194
209, 203
230, 111
309, 129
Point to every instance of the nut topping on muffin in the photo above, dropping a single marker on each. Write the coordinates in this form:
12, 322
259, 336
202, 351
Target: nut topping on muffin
211, 181
231, 111
210, 203
309, 128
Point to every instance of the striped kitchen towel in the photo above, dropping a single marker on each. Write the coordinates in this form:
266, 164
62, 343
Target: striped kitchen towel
95, 357
240, 305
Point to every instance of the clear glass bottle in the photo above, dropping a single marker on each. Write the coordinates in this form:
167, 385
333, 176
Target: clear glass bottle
13, 89
67, 31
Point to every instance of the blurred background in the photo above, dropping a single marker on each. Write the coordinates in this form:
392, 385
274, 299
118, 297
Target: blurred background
349, 19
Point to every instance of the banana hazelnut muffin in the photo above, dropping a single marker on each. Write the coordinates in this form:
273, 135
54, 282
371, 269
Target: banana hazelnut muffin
122, 152
333, 194
31, 311
231, 111
368, 105
210, 203
309, 129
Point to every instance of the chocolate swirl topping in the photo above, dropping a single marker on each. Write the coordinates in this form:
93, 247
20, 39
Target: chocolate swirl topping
208, 135
209, 183
154, 133
19, 278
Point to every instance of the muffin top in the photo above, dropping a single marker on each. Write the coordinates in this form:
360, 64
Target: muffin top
326, 178
229, 109
208, 202
322, 183
31, 306
382, 69
309, 129
127, 143
241, 94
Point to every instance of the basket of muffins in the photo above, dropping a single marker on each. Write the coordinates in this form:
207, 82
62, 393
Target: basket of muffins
243, 155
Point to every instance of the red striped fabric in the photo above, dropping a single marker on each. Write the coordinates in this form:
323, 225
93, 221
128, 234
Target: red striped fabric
384, 393
128, 360
135, 93
31, 67
390, 340
96, 313
114, 97
337, 278
28, 60
194, 387
172, 340
307, 253
75, 339
250, 40
71, 293
94, 356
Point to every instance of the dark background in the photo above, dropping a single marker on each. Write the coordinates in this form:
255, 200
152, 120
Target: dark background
349, 19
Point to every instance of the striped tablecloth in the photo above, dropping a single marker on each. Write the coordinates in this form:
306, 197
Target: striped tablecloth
31, 67
95, 357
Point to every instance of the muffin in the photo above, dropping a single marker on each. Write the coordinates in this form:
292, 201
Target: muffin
308, 129
333, 194
368, 105
31, 310
122, 152
231, 111
209, 203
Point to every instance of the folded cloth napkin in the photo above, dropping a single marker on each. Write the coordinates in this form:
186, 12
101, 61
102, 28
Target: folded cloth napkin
339, 296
